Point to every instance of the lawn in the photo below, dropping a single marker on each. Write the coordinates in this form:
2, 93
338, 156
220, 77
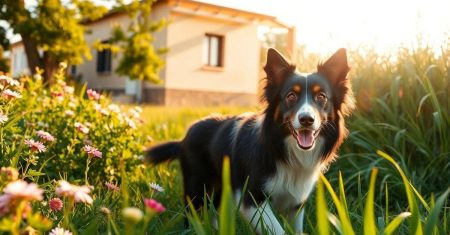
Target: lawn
391, 176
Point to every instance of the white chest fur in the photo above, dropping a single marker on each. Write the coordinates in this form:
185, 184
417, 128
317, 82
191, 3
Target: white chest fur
294, 181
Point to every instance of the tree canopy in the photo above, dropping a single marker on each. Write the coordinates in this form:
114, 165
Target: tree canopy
53, 31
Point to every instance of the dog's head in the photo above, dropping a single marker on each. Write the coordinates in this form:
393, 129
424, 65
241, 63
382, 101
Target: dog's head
309, 105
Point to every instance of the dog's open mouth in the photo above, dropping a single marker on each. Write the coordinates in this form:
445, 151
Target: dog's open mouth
305, 138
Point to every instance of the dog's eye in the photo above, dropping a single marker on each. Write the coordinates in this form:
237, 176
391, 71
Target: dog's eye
321, 97
291, 97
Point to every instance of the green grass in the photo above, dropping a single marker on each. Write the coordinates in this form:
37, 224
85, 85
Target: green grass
403, 110
392, 176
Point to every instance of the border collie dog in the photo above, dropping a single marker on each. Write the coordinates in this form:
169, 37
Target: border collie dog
280, 153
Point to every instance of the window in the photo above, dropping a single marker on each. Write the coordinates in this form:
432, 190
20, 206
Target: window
73, 70
104, 60
213, 50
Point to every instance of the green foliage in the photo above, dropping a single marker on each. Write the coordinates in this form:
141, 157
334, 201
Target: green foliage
139, 59
58, 111
55, 27
401, 129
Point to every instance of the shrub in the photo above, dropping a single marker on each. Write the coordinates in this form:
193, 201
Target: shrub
63, 121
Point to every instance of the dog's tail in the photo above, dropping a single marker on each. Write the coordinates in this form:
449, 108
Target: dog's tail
163, 152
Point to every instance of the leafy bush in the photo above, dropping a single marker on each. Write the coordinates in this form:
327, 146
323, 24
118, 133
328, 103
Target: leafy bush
64, 122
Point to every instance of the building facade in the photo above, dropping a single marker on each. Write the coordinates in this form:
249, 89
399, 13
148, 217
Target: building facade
213, 56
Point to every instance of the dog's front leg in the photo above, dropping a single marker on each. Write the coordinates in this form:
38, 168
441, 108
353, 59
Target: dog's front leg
298, 215
262, 219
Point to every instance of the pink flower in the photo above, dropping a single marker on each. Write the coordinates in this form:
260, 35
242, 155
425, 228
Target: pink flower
55, 204
59, 231
81, 128
68, 89
45, 136
17, 191
9, 80
22, 189
154, 205
11, 94
3, 118
92, 151
104, 112
56, 94
112, 187
93, 94
78, 193
35, 146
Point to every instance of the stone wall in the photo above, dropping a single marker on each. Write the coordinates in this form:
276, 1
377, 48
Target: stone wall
175, 97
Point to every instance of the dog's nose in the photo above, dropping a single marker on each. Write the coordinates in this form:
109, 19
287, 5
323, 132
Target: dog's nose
306, 119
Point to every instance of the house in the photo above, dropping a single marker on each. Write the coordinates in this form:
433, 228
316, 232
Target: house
213, 57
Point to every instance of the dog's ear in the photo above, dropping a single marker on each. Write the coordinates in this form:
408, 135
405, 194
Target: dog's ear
336, 67
276, 66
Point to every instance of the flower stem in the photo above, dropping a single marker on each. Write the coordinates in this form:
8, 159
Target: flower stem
88, 160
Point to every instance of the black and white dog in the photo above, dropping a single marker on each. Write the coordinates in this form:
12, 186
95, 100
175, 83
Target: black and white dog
281, 152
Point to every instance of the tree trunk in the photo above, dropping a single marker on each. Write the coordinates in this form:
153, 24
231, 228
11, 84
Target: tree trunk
50, 67
31, 50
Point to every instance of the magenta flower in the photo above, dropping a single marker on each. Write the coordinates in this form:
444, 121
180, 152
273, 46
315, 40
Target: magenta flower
55, 204
93, 94
56, 94
45, 136
112, 186
11, 94
154, 205
81, 128
36, 146
92, 151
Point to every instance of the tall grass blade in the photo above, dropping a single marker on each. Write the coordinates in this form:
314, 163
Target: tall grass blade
323, 226
393, 225
194, 219
227, 214
343, 216
415, 225
432, 221
369, 214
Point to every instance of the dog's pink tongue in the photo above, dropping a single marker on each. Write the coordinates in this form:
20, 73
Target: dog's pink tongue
305, 138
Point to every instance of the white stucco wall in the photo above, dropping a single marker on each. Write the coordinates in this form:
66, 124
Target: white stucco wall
184, 67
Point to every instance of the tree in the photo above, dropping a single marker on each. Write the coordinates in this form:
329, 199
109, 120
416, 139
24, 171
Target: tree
4, 45
140, 60
52, 31
52, 27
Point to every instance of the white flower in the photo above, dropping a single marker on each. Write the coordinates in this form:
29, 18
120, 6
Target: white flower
114, 108
156, 187
11, 94
79, 193
59, 231
24, 190
3, 118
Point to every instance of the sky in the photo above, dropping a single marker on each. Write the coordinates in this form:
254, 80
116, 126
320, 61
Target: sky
325, 25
